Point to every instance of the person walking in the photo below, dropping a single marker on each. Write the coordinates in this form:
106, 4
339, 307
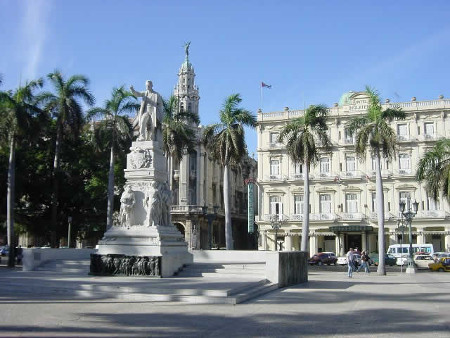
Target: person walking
364, 262
350, 262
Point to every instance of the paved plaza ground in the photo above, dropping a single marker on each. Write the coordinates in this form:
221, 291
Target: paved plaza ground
330, 305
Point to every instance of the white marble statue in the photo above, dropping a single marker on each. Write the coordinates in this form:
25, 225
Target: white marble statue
153, 205
150, 112
127, 201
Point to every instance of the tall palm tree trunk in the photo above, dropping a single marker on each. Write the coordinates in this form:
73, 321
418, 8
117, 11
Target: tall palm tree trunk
110, 208
10, 200
380, 215
305, 227
55, 195
226, 198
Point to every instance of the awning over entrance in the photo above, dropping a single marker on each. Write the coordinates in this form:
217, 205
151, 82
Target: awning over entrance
350, 228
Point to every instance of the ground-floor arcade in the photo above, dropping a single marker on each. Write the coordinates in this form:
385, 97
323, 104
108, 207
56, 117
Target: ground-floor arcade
339, 238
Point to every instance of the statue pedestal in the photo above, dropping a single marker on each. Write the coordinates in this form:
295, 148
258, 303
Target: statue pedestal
144, 242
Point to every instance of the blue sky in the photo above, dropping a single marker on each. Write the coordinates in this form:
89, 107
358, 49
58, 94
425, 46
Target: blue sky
309, 51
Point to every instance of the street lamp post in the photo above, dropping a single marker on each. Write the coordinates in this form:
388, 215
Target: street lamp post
407, 216
210, 218
401, 227
275, 224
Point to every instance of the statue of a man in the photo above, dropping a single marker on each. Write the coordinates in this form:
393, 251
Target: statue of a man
150, 112
127, 201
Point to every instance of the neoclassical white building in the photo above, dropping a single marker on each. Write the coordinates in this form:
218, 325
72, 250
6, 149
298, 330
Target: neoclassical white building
197, 182
342, 186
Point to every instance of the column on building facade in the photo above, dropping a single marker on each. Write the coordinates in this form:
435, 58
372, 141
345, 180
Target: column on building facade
340, 245
420, 236
201, 200
189, 234
264, 239
447, 240
287, 242
313, 243
336, 245
183, 185
392, 237
363, 241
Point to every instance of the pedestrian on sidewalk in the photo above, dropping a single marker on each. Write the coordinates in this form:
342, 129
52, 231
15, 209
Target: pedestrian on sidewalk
364, 262
350, 262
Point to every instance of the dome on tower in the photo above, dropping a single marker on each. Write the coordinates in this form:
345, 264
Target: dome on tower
186, 65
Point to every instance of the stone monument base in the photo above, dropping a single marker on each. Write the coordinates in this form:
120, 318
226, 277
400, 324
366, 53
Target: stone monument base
160, 245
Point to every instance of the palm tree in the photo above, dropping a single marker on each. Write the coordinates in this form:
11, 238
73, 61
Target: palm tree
67, 112
226, 141
16, 113
434, 169
178, 131
374, 131
116, 130
305, 136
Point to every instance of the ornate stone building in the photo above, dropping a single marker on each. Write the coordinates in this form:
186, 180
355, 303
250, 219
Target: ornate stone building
197, 182
342, 191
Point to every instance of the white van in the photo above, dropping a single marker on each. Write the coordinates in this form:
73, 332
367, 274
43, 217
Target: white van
402, 250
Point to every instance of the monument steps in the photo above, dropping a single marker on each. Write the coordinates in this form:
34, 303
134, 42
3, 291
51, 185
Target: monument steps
219, 270
224, 283
66, 266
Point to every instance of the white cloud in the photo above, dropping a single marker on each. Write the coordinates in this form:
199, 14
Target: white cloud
34, 25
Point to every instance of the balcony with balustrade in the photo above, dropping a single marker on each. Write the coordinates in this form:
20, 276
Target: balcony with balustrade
325, 176
385, 173
432, 214
373, 216
276, 145
353, 174
186, 209
331, 217
351, 216
404, 172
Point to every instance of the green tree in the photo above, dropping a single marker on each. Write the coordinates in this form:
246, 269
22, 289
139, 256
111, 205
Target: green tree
178, 130
434, 169
65, 107
226, 141
17, 110
374, 131
114, 132
306, 137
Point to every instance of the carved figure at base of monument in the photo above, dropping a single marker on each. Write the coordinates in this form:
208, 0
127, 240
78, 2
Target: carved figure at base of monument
127, 201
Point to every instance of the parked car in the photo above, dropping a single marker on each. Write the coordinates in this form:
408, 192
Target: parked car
402, 260
443, 264
388, 259
323, 258
438, 255
342, 260
422, 261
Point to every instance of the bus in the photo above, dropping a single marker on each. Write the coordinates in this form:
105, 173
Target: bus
402, 250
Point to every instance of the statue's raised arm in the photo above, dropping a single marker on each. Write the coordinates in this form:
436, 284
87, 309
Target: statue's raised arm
135, 93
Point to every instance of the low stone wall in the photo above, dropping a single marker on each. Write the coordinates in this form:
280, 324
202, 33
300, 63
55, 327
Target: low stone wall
287, 268
283, 268
229, 256
34, 257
